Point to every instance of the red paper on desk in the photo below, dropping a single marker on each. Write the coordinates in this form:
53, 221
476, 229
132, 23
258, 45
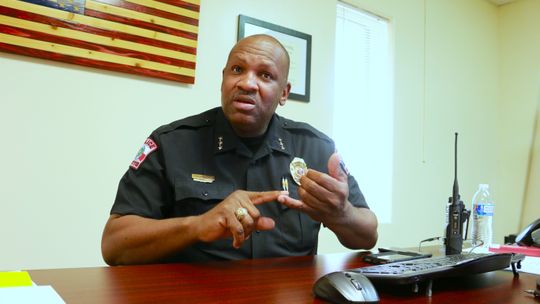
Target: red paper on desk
526, 250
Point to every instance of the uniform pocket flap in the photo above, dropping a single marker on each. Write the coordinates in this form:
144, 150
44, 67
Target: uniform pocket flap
190, 189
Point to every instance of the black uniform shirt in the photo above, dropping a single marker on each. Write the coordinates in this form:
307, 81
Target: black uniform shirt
163, 184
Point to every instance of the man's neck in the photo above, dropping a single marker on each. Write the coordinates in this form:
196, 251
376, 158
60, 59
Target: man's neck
247, 133
253, 143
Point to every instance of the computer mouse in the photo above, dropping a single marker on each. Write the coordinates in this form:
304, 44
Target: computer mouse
346, 287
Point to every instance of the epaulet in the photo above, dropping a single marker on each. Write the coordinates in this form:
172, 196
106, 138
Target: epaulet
191, 122
302, 127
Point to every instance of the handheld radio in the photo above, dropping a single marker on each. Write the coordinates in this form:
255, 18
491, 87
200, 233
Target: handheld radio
457, 215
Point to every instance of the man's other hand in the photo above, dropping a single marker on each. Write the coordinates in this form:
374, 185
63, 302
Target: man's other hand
222, 221
324, 197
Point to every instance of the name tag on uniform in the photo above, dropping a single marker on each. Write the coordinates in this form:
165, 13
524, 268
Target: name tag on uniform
202, 178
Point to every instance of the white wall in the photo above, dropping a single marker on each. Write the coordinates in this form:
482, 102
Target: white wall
520, 100
70, 132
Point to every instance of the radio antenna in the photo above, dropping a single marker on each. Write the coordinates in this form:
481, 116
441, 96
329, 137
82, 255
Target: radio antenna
457, 215
455, 192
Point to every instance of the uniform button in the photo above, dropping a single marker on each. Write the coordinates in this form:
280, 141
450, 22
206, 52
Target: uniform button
205, 193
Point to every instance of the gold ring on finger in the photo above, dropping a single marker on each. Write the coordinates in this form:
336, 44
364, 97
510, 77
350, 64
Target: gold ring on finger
240, 213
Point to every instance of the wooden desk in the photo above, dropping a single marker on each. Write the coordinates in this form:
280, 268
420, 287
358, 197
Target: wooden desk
280, 280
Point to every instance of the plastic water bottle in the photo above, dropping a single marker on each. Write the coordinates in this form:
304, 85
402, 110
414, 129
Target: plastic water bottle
482, 216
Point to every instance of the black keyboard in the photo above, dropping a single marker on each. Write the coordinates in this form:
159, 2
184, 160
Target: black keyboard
435, 267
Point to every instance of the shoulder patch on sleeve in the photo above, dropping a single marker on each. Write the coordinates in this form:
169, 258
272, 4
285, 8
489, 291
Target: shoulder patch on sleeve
148, 147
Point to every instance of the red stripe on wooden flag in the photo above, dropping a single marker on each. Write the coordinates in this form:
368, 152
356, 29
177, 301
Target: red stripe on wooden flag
182, 4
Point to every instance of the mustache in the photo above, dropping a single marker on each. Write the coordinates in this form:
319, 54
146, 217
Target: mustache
244, 95
241, 92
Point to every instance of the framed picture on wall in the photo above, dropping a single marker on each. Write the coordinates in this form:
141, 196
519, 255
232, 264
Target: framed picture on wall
298, 46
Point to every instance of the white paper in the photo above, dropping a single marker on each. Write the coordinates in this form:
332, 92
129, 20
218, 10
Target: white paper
30, 294
530, 264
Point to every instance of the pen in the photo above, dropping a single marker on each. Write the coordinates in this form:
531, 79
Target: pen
535, 293
285, 183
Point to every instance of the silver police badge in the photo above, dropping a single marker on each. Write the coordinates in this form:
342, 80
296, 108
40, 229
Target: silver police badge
298, 168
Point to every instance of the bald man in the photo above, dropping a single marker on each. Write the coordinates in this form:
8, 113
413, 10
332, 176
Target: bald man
237, 181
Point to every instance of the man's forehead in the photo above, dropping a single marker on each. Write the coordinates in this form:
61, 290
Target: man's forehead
259, 41
259, 48
253, 57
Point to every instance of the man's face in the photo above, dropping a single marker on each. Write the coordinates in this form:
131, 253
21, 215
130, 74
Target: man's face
254, 83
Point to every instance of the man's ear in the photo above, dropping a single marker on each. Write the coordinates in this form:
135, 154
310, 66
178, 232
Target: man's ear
285, 94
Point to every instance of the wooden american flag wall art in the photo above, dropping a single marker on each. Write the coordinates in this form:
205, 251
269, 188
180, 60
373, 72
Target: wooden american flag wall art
156, 38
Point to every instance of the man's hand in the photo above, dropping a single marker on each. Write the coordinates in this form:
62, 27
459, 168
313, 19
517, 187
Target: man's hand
324, 197
221, 221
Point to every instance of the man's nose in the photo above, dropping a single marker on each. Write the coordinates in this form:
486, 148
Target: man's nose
248, 82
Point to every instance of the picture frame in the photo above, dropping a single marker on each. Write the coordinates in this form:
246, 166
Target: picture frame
298, 46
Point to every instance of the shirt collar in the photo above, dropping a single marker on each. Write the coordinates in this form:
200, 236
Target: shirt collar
277, 139
224, 137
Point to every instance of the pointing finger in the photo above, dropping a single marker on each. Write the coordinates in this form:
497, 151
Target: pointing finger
258, 198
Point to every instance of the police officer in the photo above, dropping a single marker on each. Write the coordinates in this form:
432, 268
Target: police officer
238, 171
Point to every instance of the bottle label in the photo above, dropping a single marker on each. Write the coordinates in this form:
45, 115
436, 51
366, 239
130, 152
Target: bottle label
483, 210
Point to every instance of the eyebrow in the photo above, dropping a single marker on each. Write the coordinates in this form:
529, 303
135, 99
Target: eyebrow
265, 62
